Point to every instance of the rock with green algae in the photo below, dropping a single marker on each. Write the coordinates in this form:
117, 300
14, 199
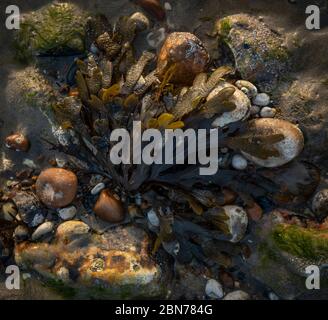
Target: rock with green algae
57, 29
113, 265
283, 254
257, 50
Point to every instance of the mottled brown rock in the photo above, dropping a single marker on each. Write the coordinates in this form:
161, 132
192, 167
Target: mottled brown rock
18, 142
56, 187
187, 53
108, 208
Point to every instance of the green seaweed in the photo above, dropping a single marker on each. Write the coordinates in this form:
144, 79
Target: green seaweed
225, 27
306, 243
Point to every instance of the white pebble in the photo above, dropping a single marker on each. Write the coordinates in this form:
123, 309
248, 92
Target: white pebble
100, 186
67, 213
167, 6
268, 112
273, 296
239, 162
29, 163
214, 289
237, 295
153, 218
43, 229
262, 99
26, 276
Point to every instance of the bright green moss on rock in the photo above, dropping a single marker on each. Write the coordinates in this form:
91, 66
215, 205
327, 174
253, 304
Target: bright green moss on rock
57, 29
304, 243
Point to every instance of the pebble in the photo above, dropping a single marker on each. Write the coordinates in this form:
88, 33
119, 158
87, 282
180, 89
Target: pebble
237, 295
247, 87
156, 38
56, 187
42, 230
67, 213
99, 187
255, 110
320, 203
153, 218
239, 162
141, 21
214, 289
94, 49
18, 142
37, 220
273, 296
268, 112
21, 232
29, 163
167, 6
108, 208
261, 99
26, 276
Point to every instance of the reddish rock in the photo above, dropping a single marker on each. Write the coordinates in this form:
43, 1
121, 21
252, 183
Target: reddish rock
185, 54
108, 208
56, 187
254, 211
153, 7
18, 142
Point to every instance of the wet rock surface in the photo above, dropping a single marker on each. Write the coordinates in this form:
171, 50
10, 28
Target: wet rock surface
301, 99
115, 264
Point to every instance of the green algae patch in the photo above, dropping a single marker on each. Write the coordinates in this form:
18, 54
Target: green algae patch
56, 29
305, 243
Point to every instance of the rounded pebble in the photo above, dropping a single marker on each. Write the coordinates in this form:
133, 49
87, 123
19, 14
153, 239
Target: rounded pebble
42, 230
153, 218
239, 162
237, 295
262, 100
67, 213
21, 232
99, 187
56, 187
267, 112
255, 110
320, 203
214, 289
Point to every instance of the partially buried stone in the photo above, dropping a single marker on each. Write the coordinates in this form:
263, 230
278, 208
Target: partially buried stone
267, 112
108, 208
320, 204
237, 295
29, 208
184, 55
214, 289
56, 187
67, 213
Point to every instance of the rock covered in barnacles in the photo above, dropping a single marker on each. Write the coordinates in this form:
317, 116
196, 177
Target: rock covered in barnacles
185, 55
115, 264
17, 142
258, 52
240, 101
57, 29
56, 187
320, 203
108, 208
287, 143
29, 208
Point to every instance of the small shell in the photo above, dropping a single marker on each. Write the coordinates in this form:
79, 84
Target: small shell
241, 101
252, 90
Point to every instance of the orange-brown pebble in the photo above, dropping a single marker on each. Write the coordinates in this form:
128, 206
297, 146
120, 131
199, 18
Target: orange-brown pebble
228, 196
255, 212
153, 7
73, 93
17, 142
186, 54
108, 208
56, 187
